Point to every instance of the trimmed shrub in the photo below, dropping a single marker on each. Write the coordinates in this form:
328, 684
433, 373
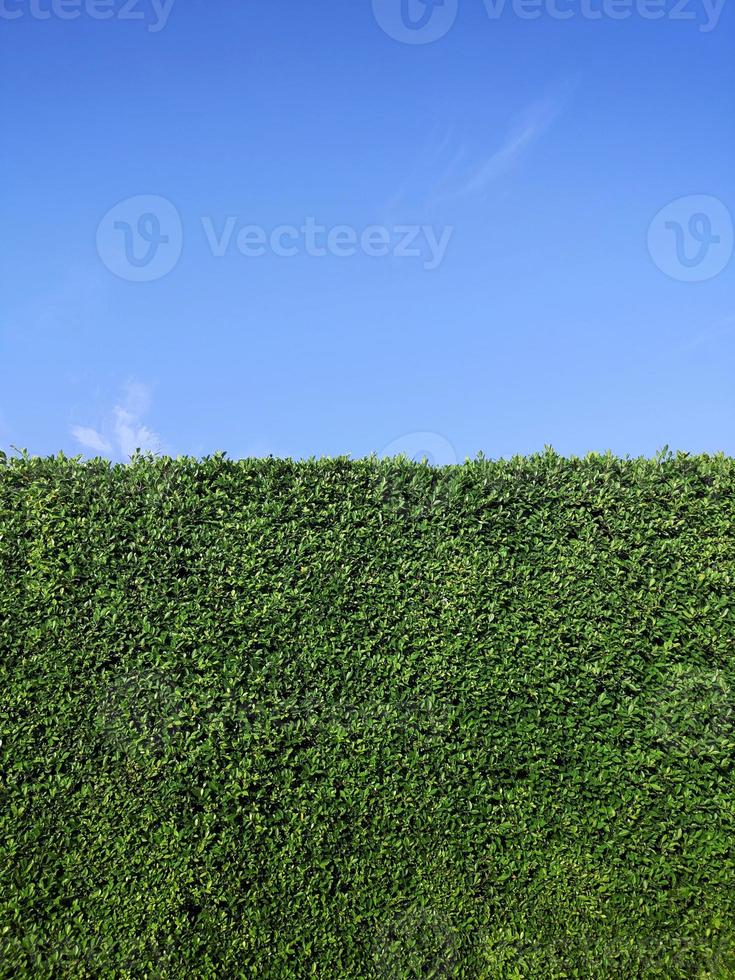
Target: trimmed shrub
368, 718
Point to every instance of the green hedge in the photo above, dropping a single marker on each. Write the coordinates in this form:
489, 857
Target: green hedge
368, 719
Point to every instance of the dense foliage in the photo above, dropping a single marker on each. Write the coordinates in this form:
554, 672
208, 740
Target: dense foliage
368, 719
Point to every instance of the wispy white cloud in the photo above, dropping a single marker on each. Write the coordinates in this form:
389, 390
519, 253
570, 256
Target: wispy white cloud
524, 131
536, 120
125, 433
448, 170
442, 155
91, 439
137, 399
131, 435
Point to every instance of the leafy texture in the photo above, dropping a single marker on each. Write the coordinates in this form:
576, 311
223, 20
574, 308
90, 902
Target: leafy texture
368, 719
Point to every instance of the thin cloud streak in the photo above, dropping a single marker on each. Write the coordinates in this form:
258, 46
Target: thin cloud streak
447, 171
526, 130
722, 328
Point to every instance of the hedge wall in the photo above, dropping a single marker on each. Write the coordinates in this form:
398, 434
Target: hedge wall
368, 719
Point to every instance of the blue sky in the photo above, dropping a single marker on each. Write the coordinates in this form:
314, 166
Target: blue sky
341, 227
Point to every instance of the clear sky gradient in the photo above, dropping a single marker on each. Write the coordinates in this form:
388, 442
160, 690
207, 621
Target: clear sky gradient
520, 218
